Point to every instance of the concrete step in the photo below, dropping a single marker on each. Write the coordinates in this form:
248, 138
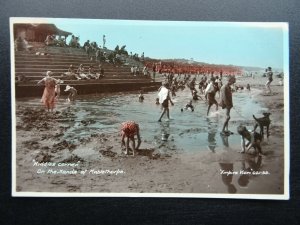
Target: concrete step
107, 75
66, 66
58, 54
58, 57
91, 81
92, 88
51, 57
62, 51
56, 49
55, 61
35, 66
57, 73
66, 62
22, 53
65, 69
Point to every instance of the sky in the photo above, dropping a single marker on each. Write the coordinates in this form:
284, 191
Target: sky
242, 44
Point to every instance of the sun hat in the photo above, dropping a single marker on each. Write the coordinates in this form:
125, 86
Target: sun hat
48, 73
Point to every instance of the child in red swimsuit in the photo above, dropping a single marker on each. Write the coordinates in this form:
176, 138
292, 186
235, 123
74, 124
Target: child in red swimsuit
129, 129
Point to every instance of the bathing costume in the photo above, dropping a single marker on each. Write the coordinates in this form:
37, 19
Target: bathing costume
129, 128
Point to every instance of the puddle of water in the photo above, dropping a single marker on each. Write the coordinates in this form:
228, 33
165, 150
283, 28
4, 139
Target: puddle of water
188, 131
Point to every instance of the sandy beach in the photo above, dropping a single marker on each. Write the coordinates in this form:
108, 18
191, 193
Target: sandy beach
46, 163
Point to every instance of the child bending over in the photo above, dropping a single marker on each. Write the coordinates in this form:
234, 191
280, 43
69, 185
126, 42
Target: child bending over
72, 93
128, 130
249, 139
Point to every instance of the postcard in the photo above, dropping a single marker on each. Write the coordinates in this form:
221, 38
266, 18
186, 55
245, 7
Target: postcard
129, 108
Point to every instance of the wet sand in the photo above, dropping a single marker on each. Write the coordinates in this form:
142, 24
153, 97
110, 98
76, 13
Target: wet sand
96, 164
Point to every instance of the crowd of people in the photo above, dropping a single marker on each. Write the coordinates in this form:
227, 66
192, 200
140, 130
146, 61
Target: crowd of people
208, 88
82, 73
51, 40
181, 67
176, 77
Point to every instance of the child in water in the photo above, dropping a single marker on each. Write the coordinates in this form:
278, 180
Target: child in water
141, 96
72, 93
195, 95
248, 87
189, 106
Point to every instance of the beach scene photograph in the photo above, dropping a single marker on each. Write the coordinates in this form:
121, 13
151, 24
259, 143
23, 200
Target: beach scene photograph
136, 108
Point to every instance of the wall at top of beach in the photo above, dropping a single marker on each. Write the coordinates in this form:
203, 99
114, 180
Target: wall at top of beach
36, 91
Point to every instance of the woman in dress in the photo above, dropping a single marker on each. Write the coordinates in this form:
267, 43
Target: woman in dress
48, 98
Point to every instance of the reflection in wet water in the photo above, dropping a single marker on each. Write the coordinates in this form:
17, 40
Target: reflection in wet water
188, 131
165, 131
227, 176
237, 174
212, 131
248, 165
224, 139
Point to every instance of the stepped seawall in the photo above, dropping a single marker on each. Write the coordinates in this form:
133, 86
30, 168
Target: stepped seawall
34, 64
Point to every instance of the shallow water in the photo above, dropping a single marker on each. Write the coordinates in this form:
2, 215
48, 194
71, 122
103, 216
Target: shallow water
188, 131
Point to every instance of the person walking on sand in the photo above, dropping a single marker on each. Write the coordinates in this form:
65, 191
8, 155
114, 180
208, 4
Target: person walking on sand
141, 96
269, 74
226, 103
48, 98
104, 41
164, 98
128, 130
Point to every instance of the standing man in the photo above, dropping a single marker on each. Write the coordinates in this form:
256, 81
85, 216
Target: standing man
154, 71
104, 41
164, 99
226, 103
269, 74
142, 56
210, 92
98, 55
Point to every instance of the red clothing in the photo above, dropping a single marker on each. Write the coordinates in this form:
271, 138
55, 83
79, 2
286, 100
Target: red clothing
129, 129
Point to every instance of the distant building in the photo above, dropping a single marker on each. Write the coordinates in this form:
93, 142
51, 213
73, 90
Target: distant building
37, 32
